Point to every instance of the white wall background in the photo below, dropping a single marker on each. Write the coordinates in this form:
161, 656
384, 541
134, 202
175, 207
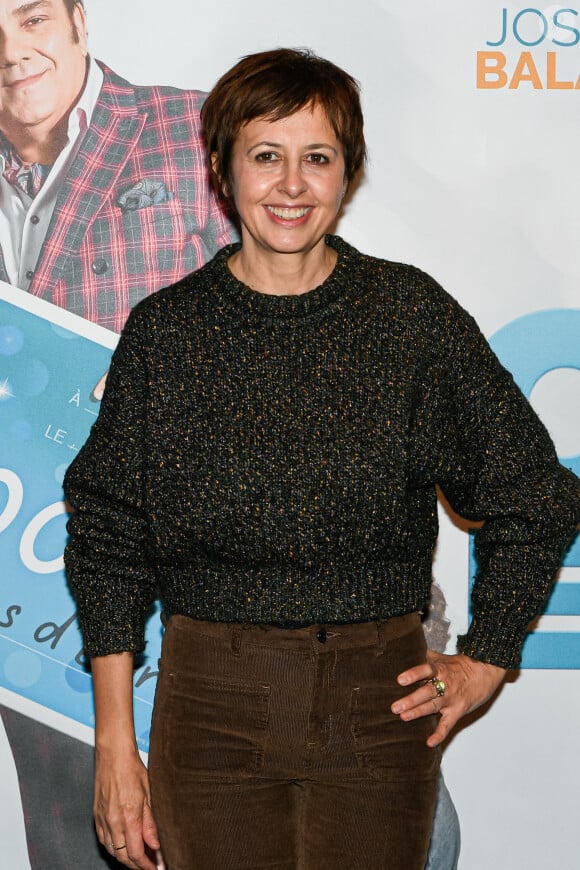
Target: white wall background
479, 188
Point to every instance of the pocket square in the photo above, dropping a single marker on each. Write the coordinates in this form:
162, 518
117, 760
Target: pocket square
145, 193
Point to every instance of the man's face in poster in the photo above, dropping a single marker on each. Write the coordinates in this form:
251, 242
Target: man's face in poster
43, 50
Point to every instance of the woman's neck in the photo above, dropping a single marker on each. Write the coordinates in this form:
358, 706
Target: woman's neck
281, 274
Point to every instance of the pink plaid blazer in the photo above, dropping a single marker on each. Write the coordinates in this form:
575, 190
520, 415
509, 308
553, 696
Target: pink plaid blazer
107, 247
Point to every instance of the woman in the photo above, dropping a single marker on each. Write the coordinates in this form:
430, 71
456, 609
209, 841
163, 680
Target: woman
266, 457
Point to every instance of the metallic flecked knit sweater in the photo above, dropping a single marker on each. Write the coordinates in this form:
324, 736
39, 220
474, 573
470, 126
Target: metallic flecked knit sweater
273, 459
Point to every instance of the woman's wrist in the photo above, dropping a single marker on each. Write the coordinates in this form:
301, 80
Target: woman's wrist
115, 741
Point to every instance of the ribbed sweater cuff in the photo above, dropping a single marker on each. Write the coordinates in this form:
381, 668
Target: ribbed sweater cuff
496, 644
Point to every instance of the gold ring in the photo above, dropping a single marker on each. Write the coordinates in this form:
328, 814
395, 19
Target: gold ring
438, 685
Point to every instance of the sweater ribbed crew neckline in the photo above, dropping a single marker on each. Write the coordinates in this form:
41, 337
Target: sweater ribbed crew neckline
331, 290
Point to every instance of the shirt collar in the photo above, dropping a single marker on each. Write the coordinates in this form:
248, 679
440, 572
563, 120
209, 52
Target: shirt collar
80, 119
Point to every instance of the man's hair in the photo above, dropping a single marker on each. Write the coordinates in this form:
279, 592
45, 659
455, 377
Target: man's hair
276, 84
70, 5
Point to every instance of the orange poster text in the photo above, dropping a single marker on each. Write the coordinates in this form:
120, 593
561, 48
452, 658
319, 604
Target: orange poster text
493, 72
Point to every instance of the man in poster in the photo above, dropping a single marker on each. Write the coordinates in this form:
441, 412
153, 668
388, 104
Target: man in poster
104, 194
104, 198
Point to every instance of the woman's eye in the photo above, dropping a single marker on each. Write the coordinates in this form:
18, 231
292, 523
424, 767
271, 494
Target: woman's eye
266, 156
317, 158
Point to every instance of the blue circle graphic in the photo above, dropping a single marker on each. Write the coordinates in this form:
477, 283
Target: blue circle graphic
537, 343
31, 378
11, 340
77, 679
21, 430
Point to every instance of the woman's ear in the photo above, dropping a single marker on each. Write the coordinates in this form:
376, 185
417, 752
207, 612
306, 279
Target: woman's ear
217, 171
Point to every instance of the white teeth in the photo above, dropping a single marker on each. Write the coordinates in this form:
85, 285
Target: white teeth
288, 213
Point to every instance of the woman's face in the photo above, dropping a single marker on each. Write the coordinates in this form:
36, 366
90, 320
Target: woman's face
287, 181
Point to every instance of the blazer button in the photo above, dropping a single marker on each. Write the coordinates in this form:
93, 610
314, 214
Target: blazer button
321, 635
100, 266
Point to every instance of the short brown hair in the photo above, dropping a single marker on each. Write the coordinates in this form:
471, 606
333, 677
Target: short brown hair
275, 84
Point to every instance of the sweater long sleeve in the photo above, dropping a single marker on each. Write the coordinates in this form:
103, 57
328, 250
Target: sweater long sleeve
274, 459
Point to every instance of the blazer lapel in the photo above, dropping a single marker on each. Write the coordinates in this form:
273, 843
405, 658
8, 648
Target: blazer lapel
114, 132
3, 273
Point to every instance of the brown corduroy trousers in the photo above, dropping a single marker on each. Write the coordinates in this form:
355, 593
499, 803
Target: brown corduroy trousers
276, 748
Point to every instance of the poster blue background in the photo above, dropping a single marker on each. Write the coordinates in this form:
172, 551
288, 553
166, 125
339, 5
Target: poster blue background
47, 375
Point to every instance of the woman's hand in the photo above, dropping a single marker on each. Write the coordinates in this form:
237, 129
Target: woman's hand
122, 805
123, 818
99, 388
468, 684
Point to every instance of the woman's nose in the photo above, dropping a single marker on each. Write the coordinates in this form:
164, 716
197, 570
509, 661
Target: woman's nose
292, 181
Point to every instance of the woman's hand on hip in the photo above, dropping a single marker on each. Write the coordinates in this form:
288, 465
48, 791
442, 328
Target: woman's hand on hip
122, 810
451, 685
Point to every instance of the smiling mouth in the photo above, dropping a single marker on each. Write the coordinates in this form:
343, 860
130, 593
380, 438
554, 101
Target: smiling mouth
289, 214
26, 82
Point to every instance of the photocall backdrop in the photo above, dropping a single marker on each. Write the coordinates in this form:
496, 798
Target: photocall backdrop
471, 119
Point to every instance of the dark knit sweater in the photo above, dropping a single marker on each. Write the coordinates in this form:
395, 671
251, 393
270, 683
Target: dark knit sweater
273, 459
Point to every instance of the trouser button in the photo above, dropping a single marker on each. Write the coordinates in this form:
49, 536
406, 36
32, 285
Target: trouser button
321, 635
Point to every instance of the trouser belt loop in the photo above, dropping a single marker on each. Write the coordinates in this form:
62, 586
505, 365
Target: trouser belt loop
237, 640
381, 643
